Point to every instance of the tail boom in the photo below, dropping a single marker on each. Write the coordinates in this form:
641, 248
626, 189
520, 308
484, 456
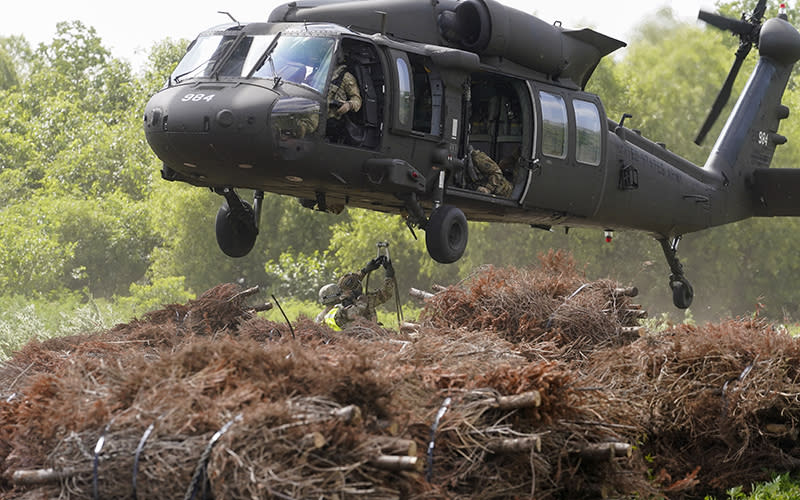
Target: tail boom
746, 146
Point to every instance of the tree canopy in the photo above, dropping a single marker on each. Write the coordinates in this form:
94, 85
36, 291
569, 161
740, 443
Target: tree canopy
83, 208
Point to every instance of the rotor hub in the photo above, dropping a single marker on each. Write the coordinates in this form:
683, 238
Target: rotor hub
780, 42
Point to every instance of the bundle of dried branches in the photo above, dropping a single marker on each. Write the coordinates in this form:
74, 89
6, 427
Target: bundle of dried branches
718, 401
527, 430
309, 448
553, 303
517, 383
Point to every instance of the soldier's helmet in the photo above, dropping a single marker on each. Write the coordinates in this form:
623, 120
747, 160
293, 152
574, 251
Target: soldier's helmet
350, 282
330, 294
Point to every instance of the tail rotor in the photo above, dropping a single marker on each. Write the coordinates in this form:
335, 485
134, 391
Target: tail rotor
748, 30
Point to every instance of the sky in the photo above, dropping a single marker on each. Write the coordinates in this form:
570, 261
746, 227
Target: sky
130, 32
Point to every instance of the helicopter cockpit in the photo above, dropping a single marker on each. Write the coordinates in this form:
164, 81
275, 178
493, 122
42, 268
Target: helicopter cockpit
230, 52
296, 64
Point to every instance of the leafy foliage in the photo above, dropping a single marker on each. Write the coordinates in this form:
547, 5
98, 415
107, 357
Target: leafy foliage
154, 295
299, 275
782, 487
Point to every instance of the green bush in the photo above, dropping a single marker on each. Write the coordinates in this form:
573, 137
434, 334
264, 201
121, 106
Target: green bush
23, 319
781, 487
154, 295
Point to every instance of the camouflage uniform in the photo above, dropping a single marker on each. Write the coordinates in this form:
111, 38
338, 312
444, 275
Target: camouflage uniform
298, 125
344, 88
509, 164
495, 183
362, 306
366, 304
306, 124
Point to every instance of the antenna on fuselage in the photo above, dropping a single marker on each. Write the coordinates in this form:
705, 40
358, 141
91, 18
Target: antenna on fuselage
229, 15
383, 15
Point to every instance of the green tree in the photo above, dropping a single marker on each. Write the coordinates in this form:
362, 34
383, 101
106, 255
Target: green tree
8, 73
73, 163
32, 259
161, 61
20, 52
76, 53
671, 79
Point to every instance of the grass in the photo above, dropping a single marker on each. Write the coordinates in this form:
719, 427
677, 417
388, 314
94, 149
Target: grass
23, 319
781, 487
793, 329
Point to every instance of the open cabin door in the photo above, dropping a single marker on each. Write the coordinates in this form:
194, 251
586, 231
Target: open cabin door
502, 126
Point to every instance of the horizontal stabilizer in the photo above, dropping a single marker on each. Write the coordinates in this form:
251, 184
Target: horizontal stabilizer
777, 191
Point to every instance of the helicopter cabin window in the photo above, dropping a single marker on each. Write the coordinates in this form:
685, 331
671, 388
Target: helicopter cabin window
405, 100
554, 125
428, 95
587, 123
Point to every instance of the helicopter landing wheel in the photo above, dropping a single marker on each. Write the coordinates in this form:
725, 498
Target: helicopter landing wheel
446, 234
682, 292
236, 229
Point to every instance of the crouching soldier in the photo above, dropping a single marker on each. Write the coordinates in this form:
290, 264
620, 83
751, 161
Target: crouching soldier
345, 300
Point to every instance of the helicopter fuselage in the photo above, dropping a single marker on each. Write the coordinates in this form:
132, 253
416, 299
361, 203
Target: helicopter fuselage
249, 106
222, 132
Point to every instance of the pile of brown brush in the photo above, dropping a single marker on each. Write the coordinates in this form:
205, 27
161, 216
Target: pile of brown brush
530, 383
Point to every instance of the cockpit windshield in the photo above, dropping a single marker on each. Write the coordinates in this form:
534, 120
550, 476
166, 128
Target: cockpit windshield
201, 57
300, 59
304, 60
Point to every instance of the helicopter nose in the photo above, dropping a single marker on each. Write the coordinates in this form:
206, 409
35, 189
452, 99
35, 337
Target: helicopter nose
204, 131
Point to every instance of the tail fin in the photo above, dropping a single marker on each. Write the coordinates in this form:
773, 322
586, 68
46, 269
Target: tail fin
750, 136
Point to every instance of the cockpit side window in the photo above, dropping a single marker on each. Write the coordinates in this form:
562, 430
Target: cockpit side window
554, 125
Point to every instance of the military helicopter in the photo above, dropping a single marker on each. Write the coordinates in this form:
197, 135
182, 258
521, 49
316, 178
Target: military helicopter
247, 107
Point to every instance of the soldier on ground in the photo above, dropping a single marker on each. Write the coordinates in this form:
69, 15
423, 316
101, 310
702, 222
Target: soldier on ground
345, 301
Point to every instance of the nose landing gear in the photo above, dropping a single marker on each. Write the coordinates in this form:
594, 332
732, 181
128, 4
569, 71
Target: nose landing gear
682, 291
237, 223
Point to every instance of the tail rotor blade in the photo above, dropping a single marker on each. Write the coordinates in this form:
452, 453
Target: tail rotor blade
759, 11
748, 30
723, 97
725, 23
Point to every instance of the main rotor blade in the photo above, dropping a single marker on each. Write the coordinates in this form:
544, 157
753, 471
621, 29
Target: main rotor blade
723, 96
725, 23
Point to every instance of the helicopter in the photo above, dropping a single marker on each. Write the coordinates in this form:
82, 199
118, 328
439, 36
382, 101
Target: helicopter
248, 107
